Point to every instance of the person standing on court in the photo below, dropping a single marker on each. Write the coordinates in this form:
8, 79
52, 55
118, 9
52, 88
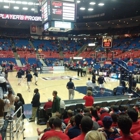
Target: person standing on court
29, 79
70, 87
79, 70
93, 79
36, 77
55, 104
19, 76
35, 104
101, 81
89, 84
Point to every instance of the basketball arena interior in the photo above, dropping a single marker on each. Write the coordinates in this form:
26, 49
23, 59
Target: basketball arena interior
74, 52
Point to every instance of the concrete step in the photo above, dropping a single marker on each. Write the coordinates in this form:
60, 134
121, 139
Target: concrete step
19, 63
43, 62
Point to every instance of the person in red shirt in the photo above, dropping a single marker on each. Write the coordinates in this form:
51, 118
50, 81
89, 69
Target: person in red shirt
89, 100
125, 124
133, 114
48, 104
56, 132
86, 125
69, 114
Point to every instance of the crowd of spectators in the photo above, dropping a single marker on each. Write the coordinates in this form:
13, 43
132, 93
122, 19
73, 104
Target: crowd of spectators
94, 123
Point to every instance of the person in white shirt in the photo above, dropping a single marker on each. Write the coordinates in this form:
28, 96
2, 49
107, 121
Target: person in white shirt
3, 84
6, 106
62, 104
89, 84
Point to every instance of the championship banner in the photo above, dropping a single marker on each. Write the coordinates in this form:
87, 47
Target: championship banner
107, 42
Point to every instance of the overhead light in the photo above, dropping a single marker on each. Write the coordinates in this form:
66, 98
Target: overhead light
6, 6
101, 4
32, 9
12, 1
78, 1
25, 8
82, 8
92, 3
90, 9
24, 2
15, 7
18, 2
1, 0
36, 3
30, 3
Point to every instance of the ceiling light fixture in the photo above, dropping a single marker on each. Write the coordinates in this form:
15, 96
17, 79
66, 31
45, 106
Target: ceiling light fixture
90, 9
6, 7
92, 3
24, 2
18, 2
78, 1
101, 4
82, 8
33, 9
30, 3
15, 7
25, 8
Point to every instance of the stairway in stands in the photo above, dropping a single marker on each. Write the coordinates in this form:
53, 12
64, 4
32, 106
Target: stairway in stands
41, 60
15, 54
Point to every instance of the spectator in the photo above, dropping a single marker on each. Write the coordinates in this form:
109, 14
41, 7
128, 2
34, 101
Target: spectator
89, 100
110, 132
56, 103
69, 114
120, 90
133, 114
11, 98
62, 104
48, 104
19, 104
1, 113
70, 124
6, 106
70, 87
114, 117
56, 132
86, 125
95, 135
49, 126
3, 84
94, 114
75, 130
21, 98
35, 104
125, 124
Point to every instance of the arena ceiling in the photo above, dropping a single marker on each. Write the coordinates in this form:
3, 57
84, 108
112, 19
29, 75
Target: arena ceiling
91, 14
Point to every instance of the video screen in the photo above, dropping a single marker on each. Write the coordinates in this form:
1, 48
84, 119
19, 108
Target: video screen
63, 11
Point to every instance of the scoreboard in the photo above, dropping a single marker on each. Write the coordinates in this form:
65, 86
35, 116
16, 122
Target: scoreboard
107, 42
61, 10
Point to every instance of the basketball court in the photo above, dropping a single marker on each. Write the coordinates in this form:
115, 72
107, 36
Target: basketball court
47, 82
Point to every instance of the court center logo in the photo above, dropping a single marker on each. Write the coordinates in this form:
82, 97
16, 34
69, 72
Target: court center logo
60, 78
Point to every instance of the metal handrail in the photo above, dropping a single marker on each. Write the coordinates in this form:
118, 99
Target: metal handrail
13, 125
